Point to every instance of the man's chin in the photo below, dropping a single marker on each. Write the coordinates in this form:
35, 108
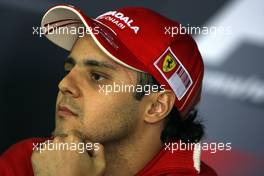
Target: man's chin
65, 132
60, 132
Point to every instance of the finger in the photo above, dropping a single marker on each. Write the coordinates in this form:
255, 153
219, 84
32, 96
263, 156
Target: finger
98, 156
59, 134
57, 139
89, 147
74, 136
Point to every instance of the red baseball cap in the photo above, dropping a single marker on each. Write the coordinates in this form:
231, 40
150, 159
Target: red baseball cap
136, 37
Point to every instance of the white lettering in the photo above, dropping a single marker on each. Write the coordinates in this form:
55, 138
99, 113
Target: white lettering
121, 17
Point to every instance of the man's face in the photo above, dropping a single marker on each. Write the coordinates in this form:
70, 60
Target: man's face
97, 116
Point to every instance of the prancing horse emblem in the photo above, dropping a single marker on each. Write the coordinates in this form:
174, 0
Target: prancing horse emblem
168, 63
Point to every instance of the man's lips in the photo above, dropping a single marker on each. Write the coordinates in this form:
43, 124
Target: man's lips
65, 112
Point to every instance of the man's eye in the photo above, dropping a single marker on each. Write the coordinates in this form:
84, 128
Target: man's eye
67, 68
66, 72
97, 77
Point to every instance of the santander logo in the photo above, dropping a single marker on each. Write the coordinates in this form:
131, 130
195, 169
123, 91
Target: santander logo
120, 20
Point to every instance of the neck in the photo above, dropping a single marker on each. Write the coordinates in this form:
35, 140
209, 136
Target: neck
128, 156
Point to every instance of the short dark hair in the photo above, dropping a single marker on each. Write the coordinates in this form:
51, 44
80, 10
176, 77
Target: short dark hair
175, 128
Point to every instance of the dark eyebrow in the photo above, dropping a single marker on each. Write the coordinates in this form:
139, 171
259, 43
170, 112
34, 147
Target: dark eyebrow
95, 63
92, 63
69, 60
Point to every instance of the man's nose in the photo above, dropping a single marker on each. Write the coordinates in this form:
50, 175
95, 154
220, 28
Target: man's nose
69, 84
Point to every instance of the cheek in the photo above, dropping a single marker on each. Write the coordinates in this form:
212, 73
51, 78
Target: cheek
96, 107
109, 116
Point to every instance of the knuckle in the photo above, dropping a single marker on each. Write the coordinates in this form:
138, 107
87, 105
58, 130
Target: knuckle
57, 139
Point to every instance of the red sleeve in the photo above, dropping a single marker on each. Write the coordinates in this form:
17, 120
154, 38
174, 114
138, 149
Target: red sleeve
205, 171
16, 161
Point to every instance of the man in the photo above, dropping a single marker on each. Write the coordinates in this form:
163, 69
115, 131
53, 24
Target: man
130, 131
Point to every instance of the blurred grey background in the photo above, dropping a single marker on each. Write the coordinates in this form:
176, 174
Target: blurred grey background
232, 107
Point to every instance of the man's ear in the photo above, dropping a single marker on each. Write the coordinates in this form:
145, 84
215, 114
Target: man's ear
159, 106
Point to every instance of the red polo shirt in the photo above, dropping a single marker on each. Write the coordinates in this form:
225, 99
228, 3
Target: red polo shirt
16, 161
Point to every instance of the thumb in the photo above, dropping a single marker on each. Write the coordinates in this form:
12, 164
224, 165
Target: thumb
99, 156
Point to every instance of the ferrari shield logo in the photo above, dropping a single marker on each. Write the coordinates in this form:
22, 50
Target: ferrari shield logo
177, 76
168, 63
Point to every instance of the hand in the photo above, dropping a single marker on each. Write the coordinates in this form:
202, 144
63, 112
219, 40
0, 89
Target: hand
68, 162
